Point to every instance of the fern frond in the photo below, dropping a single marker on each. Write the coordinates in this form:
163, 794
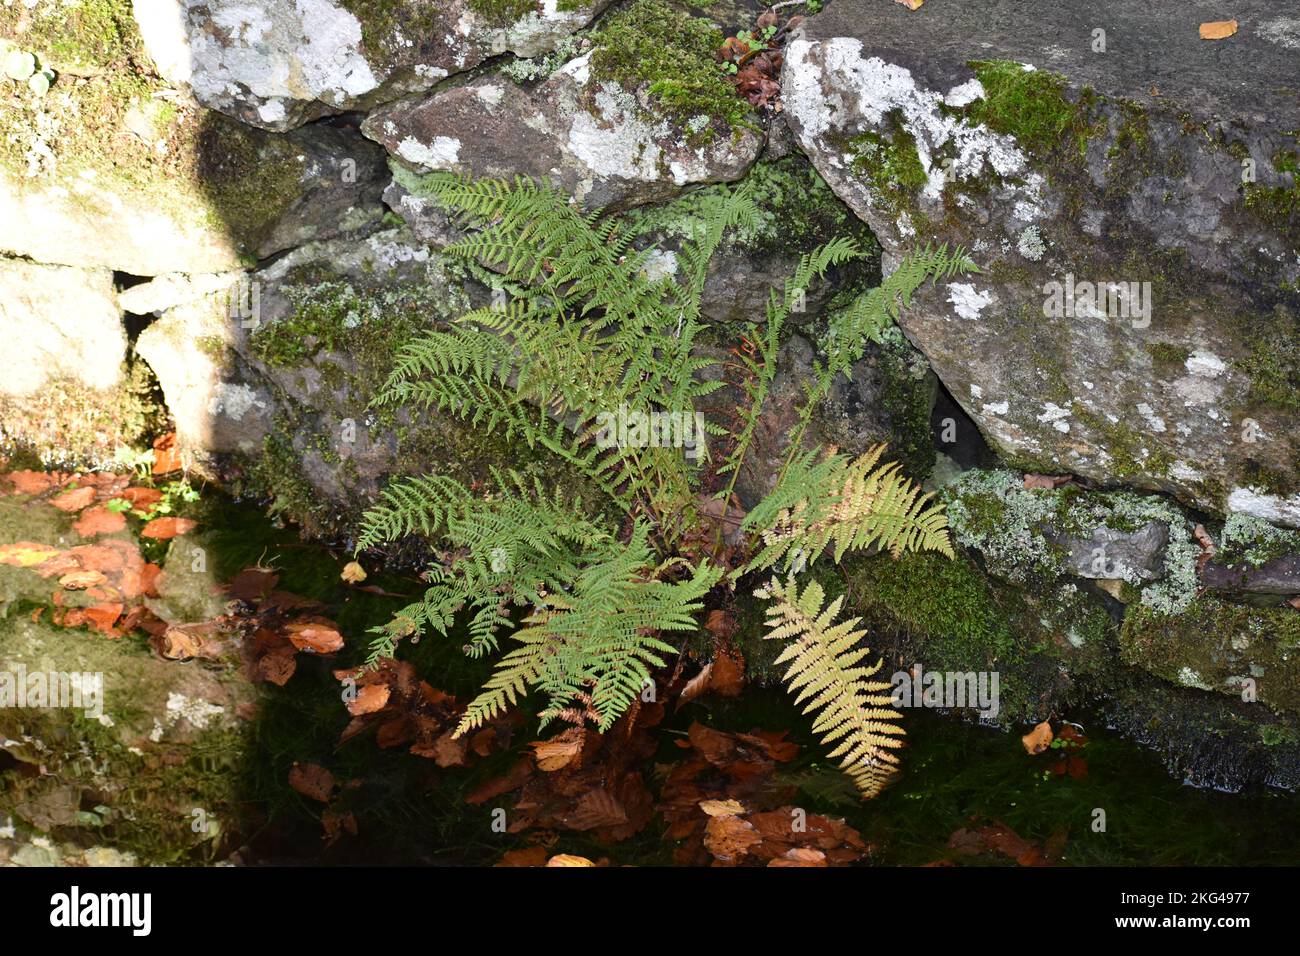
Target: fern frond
827, 677
846, 505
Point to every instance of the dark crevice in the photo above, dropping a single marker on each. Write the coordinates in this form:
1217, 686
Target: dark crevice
956, 435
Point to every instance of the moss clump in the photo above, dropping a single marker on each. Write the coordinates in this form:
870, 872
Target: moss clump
948, 615
1279, 206
1273, 363
1031, 105
1214, 645
890, 163
651, 43
1168, 356
80, 36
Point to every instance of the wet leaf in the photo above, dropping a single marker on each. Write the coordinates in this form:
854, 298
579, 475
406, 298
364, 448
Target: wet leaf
161, 529
99, 520
1218, 29
528, 856
166, 456
565, 859
315, 638
312, 781
74, 499
369, 699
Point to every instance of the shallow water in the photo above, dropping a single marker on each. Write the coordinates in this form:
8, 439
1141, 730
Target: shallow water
956, 775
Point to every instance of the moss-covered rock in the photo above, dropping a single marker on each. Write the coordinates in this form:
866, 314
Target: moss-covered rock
609, 127
278, 64
129, 771
119, 169
1213, 645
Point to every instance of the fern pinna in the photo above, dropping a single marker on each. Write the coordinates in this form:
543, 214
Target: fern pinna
587, 609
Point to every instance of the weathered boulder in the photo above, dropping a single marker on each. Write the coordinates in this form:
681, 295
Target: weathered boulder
1130, 198
280, 63
112, 167
1110, 554
70, 391
592, 139
639, 118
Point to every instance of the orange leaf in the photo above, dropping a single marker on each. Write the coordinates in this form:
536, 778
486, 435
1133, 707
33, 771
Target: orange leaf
565, 859
529, 856
371, 698
1038, 739
164, 528
315, 638
1218, 29
99, 520
166, 456
141, 497
556, 753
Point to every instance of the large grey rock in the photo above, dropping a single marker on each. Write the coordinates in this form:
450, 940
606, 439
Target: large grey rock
280, 63
1129, 169
58, 324
593, 139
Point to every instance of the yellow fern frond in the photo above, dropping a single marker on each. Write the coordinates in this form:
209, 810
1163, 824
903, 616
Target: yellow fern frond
867, 505
854, 715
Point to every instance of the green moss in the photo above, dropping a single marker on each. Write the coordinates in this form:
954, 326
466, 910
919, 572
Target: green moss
889, 163
1214, 645
1273, 362
1168, 356
1032, 106
82, 36
907, 403
1279, 206
651, 43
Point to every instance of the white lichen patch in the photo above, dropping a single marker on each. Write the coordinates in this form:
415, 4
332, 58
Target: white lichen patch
442, 153
1055, 416
831, 86
967, 301
1258, 503
233, 399
1205, 364
196, 711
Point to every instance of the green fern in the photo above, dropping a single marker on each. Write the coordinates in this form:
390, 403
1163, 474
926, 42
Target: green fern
588, 332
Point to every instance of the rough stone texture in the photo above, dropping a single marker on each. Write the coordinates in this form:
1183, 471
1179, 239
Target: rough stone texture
1279, 576
594, 140
280, 63
886, 400
1108, 554
204, 197
58, 323
1127, 186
